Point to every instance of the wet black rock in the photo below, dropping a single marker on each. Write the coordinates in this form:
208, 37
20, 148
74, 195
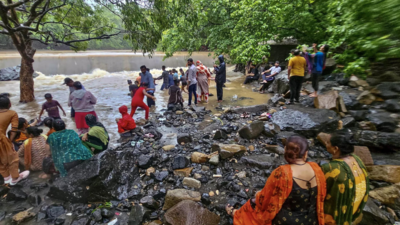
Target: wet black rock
138, 214
388, 90
271, 129
392, 105
16, 194
12, 73
145, 161
276, 98
250, 109
383, 121
96, 215
359, 115
103, 179
372, 214
81, 220
54, 211
41, 216
184, 138
2, 215
149, 202
108, 213
261, 161
180, 162
4, 190
34, 199
281, 83
160, 194
205, 199
376, 139
348, 121
161, 175
307, 121
220, 134
252, 131
350, 101
59, 221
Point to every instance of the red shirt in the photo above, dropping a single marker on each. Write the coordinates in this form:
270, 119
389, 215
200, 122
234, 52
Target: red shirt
139, 94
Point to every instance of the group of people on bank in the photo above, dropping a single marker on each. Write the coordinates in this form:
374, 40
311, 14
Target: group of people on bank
300, 63
302, 192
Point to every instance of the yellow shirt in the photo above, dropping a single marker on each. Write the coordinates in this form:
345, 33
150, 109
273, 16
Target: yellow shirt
298, 65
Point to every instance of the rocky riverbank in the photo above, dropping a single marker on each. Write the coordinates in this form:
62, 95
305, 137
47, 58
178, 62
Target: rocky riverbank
197, 162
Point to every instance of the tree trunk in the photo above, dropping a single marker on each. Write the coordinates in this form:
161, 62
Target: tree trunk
27, 93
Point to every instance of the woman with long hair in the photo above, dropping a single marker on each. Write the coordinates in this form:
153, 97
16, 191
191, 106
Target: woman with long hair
97, 138
34, 149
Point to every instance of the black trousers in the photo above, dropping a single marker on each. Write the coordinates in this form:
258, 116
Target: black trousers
295, 83
315, 80
150, 101
220, 91
72, 112
250, 79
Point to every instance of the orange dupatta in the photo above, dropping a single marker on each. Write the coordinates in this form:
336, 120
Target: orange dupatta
271, 198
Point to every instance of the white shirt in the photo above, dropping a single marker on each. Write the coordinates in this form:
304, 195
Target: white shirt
192, 74
275, 70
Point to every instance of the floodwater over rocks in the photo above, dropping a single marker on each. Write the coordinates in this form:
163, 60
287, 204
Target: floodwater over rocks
201, 159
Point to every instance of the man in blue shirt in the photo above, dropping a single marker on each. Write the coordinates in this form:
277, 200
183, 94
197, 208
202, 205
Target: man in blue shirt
318, 66
146, 77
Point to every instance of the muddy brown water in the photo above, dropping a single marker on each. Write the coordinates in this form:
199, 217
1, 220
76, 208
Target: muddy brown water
110, 86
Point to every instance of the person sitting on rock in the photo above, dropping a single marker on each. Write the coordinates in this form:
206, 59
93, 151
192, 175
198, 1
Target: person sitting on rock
48, 122
293, 194
347, 181
269, 76
96, 139
67, 149
34, 150
21, 134
175, 96
252, 76
126, 123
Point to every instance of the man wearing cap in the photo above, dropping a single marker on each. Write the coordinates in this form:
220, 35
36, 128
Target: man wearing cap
269, 76
70, 83
146, 77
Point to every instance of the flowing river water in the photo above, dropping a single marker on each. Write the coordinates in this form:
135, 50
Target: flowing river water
105, 74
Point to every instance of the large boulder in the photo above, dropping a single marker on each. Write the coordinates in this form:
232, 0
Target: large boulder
250, 109
228, 150
138, 215
389, 195
307, 121
372, 214
100, 179
387, 90
12, 73
386, 173
366, 98
263, 161
364, 154
281, 83
173, 197
380, 140
392, 105
383, 121
252, 131
327, 100
190, 213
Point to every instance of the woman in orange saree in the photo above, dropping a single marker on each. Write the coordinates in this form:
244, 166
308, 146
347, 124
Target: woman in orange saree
293, 194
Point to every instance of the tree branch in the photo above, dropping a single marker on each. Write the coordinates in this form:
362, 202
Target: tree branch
14, 5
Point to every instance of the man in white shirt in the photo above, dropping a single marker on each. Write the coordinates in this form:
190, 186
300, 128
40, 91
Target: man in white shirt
269, 76
192, 81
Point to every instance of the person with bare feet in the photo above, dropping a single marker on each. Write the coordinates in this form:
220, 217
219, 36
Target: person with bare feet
269, 76
319, 59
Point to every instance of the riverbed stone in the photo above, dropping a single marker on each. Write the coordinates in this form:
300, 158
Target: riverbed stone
250, 109
306, 121
364, 154
12, 73
271, 129
190, 182
23, 216
173, 197
348, 121
168, 147
275, 149
387, 90
263, 161
389, 195
359, 115
198, 157
145, 161
392, 105
184, 138
372, 214
214, 160
180, 162
386, 173
383, 121
149, 202
185, 172
220, 134
16, 194
252, 131
327, 100
228, 150
380, 140
138, 214
189, 212
281, 83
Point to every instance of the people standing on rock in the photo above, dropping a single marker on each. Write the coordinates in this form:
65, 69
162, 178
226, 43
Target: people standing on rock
133, 87
97, 138
202, 82
220, 77
137, 100
296, 68
34, 150
347, 181
183, 80
51, 106
70, 83
253, 75
293, 194
83, 102
269, 76
192, 81
48, 122
8, 156
126, 123
67, 149
175, 97
165, 77
146, 77
319, 59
